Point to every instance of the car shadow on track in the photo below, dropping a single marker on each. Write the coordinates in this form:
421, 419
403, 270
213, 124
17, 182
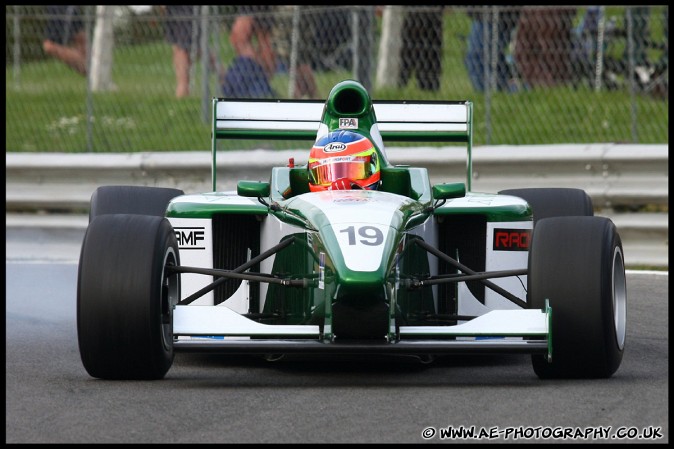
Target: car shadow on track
340, 371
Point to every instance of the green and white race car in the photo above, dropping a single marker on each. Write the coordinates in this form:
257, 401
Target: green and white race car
409, 268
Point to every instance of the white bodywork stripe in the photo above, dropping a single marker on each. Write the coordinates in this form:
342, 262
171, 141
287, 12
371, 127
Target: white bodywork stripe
494, 323
195, 252
506, 260
224, 198
214, 320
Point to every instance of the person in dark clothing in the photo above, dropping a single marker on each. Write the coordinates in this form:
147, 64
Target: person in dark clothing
284, 32
479, 46
543, 49
421, 51
180, 31
254, 63
65, 38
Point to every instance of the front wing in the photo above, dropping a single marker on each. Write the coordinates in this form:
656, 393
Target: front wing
220, 329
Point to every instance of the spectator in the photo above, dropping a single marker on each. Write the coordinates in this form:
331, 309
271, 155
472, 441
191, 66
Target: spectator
254, 63
65, 38
180, 30
478, 48
332, 41
664, 60
305, 82
543, 48
421, 51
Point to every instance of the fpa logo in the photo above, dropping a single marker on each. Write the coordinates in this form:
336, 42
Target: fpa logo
190, 238
348, 123
511, 239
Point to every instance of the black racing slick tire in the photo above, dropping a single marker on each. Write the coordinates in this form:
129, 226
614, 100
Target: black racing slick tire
577, 264
126, 296
554, 202
131, 200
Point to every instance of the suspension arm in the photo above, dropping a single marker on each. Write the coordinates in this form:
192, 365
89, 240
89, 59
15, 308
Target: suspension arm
229, 274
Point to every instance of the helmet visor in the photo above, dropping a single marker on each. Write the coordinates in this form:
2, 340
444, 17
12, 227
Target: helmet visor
325, 171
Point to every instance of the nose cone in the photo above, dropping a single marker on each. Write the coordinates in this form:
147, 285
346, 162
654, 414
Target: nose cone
359, 228
360, 231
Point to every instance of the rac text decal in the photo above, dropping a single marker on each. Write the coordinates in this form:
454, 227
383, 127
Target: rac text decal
511, 239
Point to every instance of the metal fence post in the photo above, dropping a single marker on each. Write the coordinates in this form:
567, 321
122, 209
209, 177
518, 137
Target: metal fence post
205, 59
486, 66
493, 59
88, 31
194, 43
355, 44
294, 40
16, 69
630, 73
599, 66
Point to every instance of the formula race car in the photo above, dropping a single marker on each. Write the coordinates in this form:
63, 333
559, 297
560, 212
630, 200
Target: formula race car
348, 254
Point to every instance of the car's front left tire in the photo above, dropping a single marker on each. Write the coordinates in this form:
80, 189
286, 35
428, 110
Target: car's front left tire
126, 296
140, 200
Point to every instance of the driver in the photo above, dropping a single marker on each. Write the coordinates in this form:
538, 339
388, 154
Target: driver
343, 160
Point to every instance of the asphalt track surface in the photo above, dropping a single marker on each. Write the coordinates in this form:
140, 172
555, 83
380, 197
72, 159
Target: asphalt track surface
216, 399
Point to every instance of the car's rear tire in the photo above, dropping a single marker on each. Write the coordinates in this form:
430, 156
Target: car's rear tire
554, 202
125, 297
131, 200
577, 264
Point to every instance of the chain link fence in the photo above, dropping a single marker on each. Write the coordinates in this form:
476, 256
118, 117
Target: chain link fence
141, 78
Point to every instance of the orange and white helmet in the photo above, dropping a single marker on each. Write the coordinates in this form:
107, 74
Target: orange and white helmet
343, 156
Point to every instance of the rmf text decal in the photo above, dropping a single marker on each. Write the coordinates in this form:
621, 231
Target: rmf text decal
511, 239
190, 237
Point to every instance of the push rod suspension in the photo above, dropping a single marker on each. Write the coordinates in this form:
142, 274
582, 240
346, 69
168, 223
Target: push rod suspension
456, 264
228, 274
260, 257
451, 278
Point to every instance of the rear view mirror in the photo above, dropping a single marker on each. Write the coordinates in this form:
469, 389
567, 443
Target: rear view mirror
254, 189
450, 190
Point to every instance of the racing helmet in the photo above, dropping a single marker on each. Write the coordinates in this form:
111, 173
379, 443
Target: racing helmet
343, 158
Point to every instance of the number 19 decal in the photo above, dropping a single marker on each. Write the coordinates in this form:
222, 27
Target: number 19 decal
371, 236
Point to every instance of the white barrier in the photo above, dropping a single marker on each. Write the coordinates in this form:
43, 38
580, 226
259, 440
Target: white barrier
612, 174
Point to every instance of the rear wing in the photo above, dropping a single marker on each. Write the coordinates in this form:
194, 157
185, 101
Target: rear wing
403, 121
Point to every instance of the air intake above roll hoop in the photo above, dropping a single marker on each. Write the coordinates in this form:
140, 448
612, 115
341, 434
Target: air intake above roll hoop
349, 98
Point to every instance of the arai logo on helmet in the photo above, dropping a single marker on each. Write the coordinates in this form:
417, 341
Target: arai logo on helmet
334, 147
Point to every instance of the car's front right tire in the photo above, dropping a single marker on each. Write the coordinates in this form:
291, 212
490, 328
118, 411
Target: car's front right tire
577, 264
